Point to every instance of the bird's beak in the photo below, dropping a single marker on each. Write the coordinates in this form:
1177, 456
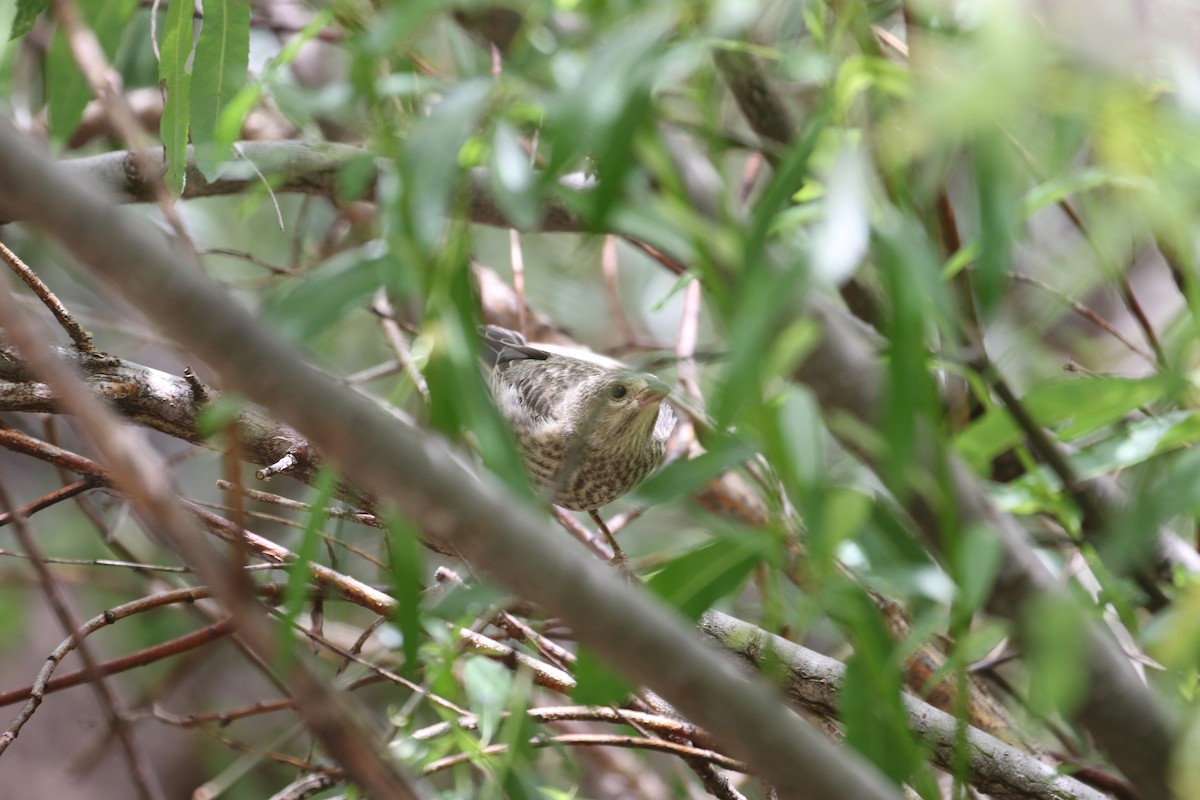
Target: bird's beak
653, 394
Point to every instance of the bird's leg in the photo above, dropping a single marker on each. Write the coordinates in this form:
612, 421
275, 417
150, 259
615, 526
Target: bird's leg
618, 554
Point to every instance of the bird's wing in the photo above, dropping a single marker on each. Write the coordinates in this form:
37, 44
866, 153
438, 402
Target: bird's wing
524, 391
520, 380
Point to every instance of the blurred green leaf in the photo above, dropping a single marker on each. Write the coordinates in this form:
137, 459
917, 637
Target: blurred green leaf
872, 710
430, 166
686, 475
219, 416
218, 72
977, 557
996, 185
330, 292
911, 402
1072, 408
1077, 182
1174, 639
459, 399
233, 113
177, 80
458, 602
596, 684
695, 581
488, 685
407, 561
597, 107
860, 73
1164, 490
67, 90
512, 178
764, 291
1055, 646
27, 14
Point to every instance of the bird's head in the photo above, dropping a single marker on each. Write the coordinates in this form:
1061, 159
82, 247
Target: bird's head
621, 406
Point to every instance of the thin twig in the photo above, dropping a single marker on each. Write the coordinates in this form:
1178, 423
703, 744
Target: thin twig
517, 256
81, 338
596, 740
394, 336
1085, 312
45, 501
612, 286
148, 655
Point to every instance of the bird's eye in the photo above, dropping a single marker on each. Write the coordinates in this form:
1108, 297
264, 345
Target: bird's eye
618, 391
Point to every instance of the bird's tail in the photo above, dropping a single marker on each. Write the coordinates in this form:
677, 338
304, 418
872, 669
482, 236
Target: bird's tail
502, 344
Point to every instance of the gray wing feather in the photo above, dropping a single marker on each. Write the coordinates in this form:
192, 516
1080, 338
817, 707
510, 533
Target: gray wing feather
502, 345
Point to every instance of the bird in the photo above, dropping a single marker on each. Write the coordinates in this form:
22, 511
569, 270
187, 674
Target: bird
587, 428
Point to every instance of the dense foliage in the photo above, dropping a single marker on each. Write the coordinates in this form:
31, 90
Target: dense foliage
921, 276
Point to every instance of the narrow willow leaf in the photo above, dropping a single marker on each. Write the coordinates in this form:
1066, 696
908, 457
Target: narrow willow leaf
430, 165
1073, 407
407, 564
218, 72
695, 581
872, 691
67, 90
488, 686
173, 72
512, 177
1055, 647
27, 14
998, 214
233, 114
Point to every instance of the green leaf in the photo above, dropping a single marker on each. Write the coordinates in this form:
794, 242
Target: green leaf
1137, 443
998, 214
407, 561
1163, 490
764, 291
1078, 182
910, 276
67, 90
218, 72
233, 115
688, 474
488, 685
27, 14
595, 683
173, 72
430, 166
695, 581
1055, 648
860, 73
872, 690
976, 560
465, 601
512, 178
330, 292
1072, 407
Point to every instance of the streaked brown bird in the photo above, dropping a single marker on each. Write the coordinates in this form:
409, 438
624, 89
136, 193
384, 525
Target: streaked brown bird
588, 431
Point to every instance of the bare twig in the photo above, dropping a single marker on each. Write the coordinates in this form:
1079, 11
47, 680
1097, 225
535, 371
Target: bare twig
149, 655
57, 496
81, 338
596, 740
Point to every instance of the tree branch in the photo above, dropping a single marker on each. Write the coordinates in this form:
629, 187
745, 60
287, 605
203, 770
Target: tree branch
815, 681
